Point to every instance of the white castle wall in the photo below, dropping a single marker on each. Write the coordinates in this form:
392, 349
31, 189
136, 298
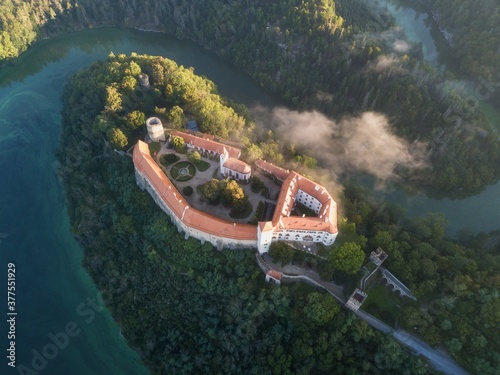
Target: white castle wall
216, 241
308, 201
264, 240
304, 236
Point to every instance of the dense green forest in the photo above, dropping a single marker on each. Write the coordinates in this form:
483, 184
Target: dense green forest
474, 26
316, 54
211, 311
456, 282
185, 307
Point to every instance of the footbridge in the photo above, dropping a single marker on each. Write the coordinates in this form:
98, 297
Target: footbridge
397, 285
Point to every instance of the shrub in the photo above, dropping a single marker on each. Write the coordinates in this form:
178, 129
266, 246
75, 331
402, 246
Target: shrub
257, 184
179, 144
187, 190
242, 211
194, 157
281, 252
168, 159
259, 213
154, 147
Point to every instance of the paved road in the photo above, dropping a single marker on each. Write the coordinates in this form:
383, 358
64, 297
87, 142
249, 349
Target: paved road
374, 322
294, 270
440, 360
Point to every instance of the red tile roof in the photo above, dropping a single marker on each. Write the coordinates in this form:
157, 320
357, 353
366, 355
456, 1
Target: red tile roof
327, 216
285, 201
193, 218
274, 274
272, 169
190, 216
237, 165
207, 143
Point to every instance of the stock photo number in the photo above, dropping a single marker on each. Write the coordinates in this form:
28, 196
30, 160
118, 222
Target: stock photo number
11, 314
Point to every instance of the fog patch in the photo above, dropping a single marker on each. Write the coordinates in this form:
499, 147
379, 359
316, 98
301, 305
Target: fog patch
401, 45
355, 144
383, 63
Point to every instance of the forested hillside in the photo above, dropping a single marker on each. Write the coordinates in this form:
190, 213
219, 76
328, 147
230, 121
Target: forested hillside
187, 308
456, 282
314, 54
22, 22
471, 26
473, 30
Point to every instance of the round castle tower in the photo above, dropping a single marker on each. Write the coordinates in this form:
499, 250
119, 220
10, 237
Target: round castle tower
155, 129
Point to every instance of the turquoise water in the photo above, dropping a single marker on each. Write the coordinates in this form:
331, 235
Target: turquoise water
51, 284
474, 214
419, 27
52, 287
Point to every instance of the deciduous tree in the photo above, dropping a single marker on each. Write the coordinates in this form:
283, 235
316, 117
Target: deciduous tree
117, 138
347, 258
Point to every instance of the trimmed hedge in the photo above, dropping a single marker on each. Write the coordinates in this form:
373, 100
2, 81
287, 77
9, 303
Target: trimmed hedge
168, 159
187, 190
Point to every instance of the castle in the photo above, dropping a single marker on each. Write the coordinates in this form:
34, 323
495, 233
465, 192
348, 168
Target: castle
221, 233
230, 166
283, 226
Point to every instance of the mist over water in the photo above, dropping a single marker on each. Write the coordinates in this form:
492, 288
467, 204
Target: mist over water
351, 145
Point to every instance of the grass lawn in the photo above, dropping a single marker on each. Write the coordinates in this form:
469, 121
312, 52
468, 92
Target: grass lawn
154, 147
183, 171
383, 304
202, 165
242, 214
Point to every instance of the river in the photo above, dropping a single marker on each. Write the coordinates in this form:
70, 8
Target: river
419, 27
52, 289
474, 214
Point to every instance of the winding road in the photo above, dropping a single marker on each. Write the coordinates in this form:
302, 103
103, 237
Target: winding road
439, 359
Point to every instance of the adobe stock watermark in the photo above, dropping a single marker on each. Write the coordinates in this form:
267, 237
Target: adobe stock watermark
59, 341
